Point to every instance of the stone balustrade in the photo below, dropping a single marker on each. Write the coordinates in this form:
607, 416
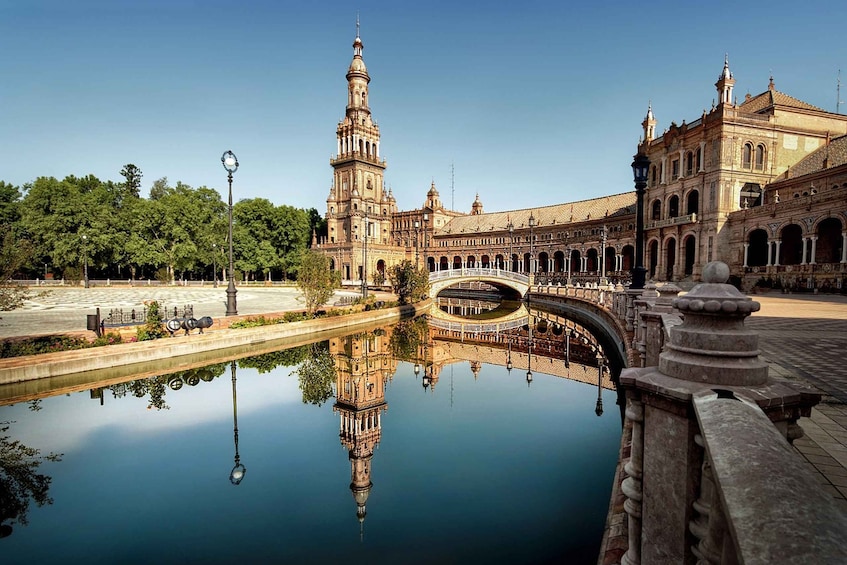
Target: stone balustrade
711, 476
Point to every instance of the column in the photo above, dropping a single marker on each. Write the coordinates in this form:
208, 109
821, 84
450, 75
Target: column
376, 149
702, 168
814, 239
746, 250
339, 146
631, 486
844, 247
776, 255
805, 247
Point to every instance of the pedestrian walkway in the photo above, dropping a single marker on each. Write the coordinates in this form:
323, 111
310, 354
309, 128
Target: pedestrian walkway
64, 309
803, 339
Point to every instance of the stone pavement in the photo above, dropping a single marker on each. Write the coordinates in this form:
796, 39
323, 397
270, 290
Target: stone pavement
804, 338
64, 309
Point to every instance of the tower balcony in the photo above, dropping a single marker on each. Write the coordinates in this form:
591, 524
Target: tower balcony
356, 156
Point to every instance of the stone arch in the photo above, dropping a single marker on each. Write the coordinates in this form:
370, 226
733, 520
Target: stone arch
692, 202
757, 248
673, 206
791, 246
653, 259
830, 242
670, 257
689, 247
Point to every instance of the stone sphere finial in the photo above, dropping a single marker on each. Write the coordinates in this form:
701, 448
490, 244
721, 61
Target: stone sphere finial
716, 272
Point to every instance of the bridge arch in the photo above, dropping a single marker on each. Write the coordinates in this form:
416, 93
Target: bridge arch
515, 284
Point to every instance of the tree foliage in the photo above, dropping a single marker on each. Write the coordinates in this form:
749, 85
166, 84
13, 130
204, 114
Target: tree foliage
316, 374
316, 280
407, 338
180, 229
20, 481
408, 283
267, 362
14, 254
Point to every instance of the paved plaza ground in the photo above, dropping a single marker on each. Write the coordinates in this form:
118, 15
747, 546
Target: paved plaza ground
802, 337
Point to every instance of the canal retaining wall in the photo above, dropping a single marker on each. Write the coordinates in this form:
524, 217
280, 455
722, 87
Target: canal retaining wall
51, 365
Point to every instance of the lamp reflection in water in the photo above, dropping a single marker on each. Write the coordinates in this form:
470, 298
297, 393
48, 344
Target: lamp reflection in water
601, 365
509, 353
238, 471
529, 355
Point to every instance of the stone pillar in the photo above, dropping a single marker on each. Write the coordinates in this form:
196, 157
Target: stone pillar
776, 255
844, 247
805, 247
747, 248
709, 350
631, 486
814, 239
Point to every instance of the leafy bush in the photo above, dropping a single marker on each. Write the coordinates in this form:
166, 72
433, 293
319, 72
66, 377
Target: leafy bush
155, 327
109, 338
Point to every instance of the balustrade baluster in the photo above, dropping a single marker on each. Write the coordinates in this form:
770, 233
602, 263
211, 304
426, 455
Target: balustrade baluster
631, 486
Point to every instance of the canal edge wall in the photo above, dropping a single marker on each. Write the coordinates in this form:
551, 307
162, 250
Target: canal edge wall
48, 365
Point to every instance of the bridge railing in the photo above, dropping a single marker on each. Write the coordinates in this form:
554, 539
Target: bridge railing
478, 272
477, 327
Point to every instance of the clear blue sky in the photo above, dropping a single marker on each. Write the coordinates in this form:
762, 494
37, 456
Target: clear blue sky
534, 103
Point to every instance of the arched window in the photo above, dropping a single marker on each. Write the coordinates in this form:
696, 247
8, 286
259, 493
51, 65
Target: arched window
698, 159
693, 202
657, 210
673, 206
747, 155
760, 157
689, 164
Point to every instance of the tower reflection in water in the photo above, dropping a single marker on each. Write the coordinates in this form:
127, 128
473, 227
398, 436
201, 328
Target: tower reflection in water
363, 366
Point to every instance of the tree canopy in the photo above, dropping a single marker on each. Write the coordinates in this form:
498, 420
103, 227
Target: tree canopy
178, 232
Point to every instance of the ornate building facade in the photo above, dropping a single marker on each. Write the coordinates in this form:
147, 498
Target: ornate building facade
757, 184
710, 177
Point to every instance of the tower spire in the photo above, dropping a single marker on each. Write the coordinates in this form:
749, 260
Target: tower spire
725, 83
649, 123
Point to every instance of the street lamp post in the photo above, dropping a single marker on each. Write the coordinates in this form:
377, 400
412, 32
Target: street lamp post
365, 260
417, 237
511, 227
531, 242
603, 257
640, 167
426, 242
85, 259
230, 163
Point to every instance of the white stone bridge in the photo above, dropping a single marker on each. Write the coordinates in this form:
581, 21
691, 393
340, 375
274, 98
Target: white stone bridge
499, 278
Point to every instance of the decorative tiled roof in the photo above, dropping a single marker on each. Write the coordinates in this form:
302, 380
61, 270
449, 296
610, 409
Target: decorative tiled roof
834, 153
772, 97
545, 216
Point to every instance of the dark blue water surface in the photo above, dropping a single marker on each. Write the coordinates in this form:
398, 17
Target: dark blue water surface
485, 470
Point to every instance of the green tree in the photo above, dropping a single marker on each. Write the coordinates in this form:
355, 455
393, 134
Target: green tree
316, 280
409, 284
133, 175
14, 254
316, 374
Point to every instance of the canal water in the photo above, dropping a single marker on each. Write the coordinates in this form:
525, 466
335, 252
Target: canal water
377, 447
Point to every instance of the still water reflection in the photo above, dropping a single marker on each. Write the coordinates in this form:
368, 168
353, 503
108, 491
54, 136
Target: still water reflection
400, 445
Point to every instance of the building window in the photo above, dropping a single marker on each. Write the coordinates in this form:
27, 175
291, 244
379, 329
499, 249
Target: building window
747, 156
698, 159
760, 157
689, 164
675, 169
712, 195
